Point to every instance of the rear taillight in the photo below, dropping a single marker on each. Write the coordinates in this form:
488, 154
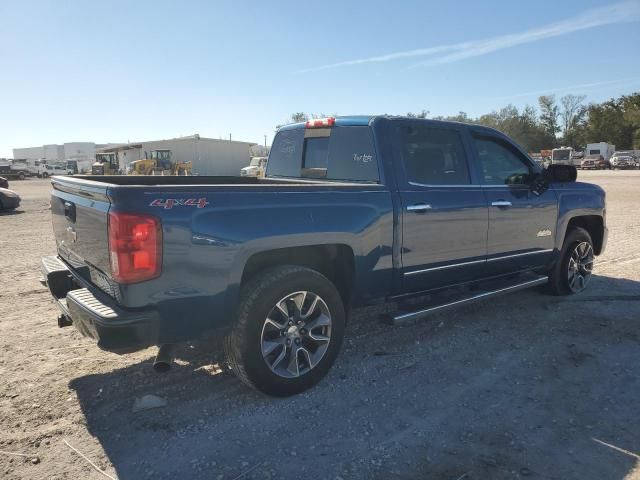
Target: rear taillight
135, 247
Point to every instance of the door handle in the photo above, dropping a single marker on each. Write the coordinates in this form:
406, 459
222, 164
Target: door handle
501, 203
419, 207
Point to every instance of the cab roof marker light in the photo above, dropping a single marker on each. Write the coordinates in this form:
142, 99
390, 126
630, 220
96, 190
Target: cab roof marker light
320, 122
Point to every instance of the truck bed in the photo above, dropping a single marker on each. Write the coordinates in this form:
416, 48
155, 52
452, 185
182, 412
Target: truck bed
159, 180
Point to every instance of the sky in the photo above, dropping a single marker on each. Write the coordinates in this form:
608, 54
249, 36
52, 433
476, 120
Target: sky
121, 71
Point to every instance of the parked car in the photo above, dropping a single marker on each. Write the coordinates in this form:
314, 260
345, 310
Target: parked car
4, 183
589, 163
9, 199
622, 160
595, 162
55, 169
352, 210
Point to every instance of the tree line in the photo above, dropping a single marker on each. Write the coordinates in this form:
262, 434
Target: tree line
569, 122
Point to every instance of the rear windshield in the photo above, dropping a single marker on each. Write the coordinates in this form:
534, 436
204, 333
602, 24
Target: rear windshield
341, 153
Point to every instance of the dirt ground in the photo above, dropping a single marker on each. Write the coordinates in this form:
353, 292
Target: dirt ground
526, 385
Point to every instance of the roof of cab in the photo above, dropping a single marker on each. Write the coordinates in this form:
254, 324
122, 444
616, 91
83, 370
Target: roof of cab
364, 120
346, 121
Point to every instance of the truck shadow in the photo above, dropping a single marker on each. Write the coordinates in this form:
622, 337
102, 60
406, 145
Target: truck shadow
524, 385
7, 213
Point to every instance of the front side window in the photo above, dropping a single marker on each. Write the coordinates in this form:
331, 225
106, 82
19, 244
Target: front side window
501, 165
433, 156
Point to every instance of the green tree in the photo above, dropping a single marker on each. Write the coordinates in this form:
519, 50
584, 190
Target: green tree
631, 106
299, 117
549, 116
608, 123
573, 115
422, 114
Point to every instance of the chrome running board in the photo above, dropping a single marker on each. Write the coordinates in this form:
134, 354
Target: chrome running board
400, 318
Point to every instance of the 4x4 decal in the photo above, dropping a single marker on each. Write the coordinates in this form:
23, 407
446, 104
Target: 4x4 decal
169, 203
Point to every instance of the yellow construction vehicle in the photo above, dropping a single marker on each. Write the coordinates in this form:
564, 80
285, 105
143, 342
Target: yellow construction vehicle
160, 162
106, 164
142, 167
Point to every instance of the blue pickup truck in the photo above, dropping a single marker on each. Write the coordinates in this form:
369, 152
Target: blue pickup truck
352, 211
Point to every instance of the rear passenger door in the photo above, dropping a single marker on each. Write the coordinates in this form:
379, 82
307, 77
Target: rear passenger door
444, 216
521, 223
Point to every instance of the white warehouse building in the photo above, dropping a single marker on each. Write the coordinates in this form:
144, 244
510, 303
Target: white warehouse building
59, 153
208, 156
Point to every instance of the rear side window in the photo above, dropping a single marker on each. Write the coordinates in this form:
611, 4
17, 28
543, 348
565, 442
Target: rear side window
340, 153
285, 155
352, 155
433, 156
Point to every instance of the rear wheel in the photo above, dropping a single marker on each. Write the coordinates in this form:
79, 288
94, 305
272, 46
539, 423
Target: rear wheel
21, 176
288, 330
574, 268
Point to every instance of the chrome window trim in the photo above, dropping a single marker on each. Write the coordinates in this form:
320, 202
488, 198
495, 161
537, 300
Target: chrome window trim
416, 184
513, 185
474, 185
472, 262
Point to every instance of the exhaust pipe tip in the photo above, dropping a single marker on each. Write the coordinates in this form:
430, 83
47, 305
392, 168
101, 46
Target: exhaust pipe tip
161, 367
164, 358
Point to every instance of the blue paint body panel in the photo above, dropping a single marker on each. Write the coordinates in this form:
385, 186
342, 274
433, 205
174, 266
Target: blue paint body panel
207, 247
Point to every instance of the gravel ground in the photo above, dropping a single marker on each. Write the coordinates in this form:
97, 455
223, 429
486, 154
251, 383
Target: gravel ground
526, 385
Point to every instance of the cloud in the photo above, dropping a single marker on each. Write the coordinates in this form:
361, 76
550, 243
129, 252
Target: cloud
627, 11
573, 88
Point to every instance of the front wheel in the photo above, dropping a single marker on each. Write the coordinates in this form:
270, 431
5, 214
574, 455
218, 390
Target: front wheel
288, 331
574, 268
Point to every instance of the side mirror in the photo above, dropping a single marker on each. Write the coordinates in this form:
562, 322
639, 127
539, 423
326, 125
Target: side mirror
561, 173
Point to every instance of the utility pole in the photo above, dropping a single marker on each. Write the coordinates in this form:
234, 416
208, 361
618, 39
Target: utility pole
229, 137
265, 142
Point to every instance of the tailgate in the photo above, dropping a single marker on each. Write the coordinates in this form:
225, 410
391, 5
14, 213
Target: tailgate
79, 211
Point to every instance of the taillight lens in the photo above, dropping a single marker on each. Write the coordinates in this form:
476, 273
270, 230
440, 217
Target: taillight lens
135, 247
320, 122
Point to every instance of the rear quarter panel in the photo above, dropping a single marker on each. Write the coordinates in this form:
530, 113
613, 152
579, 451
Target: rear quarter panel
206, 247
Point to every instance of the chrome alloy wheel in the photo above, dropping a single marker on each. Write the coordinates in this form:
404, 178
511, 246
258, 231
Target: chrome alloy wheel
580, 267
296, 334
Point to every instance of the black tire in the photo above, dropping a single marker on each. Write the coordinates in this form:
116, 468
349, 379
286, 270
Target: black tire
559, 274
45, 175
243, 346
21, 176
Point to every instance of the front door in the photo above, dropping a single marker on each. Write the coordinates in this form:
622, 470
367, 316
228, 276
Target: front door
521, 223
444, 216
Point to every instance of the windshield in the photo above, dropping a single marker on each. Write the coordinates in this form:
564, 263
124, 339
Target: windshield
561, 154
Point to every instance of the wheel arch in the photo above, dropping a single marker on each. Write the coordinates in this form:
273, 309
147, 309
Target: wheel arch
334, 261
594, 224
